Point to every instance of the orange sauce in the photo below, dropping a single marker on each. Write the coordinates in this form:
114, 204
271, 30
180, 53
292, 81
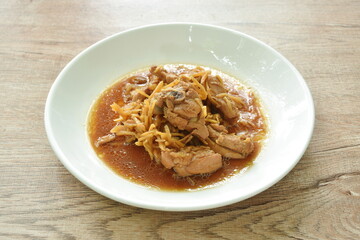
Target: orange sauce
133, 162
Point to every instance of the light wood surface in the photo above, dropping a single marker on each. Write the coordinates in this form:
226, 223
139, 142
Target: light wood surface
318, 199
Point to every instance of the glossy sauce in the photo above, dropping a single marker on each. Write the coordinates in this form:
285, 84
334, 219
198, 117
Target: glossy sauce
134, 163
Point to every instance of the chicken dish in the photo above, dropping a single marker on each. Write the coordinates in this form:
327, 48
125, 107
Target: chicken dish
183, 126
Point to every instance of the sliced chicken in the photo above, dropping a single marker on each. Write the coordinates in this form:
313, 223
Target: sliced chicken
217, 96
191, 160
179, 105
163, 74
134, 83
105, 139
182, 107
229, 145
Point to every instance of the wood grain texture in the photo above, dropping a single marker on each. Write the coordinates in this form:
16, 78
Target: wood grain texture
319, 199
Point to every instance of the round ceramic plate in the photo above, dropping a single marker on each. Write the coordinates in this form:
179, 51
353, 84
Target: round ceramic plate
283, 91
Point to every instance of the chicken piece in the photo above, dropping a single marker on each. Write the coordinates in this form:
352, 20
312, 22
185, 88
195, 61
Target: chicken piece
182, 107
191, 160
217, 129
175, 120
187, 108
163, 74
223, 151
229, 145
105, 139
140, 82
199, 128
137, 96
237, 143
215, 87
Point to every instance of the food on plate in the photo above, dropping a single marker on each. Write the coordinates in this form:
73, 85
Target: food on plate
177, 126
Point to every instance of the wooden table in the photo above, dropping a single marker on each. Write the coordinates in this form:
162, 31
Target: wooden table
319, 199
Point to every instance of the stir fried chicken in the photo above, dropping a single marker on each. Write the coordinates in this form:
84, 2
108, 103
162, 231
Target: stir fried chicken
192, 160
183, 118
182, 107
229, 145
219, 98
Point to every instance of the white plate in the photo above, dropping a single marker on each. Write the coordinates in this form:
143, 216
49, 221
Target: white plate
282, 89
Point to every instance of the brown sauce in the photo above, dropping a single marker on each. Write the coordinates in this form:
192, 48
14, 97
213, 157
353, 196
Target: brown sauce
133, 162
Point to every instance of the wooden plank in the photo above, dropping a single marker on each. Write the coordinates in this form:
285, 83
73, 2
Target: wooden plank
319, 199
